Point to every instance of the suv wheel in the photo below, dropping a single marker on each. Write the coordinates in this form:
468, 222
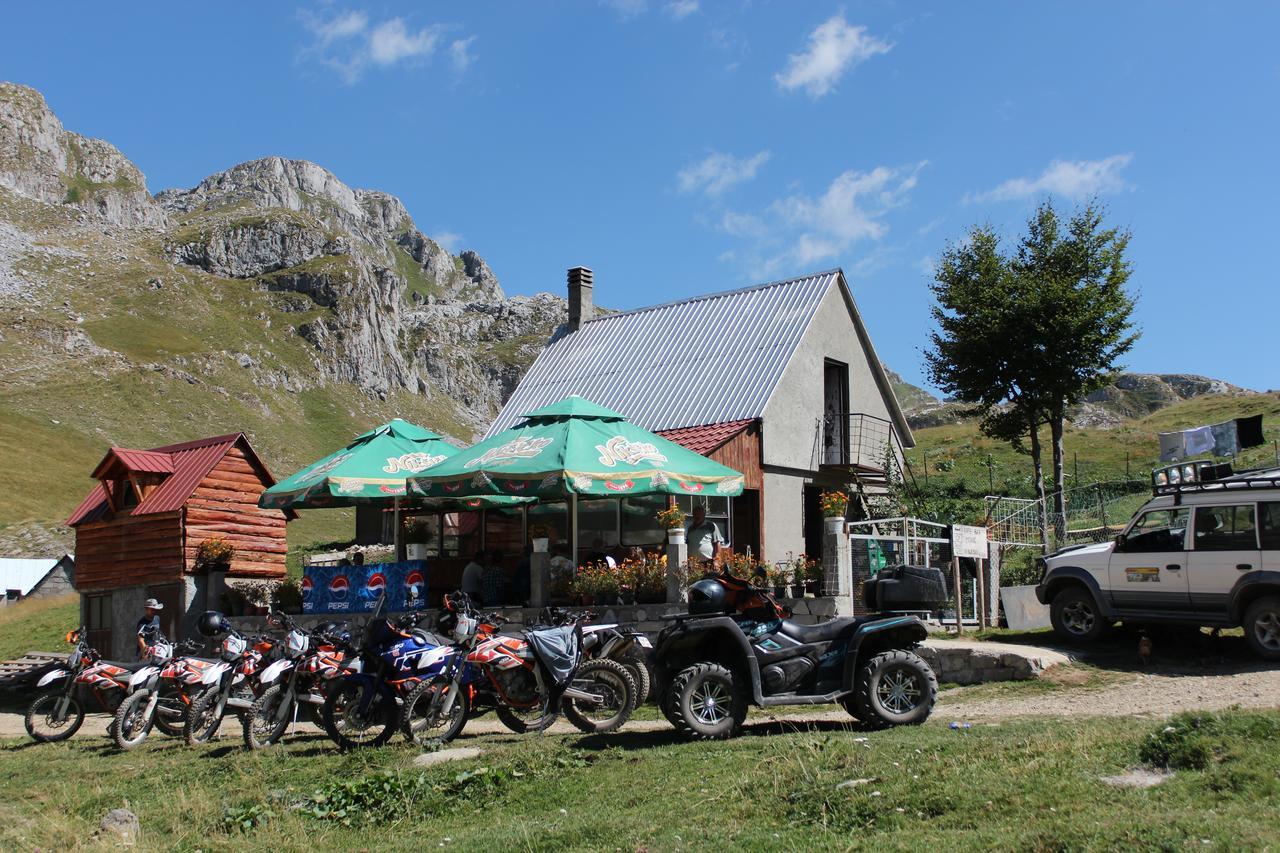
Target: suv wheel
1076, 616
705, 702
1262, 627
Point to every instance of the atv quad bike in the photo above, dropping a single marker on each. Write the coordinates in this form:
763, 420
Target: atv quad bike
737, 646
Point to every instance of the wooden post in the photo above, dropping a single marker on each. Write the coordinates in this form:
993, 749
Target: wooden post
982, 595
955, 580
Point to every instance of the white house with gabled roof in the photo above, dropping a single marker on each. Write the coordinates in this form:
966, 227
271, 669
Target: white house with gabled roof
780, 381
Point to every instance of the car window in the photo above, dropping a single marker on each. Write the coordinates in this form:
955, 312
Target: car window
1158, 530
1226, 528
1269, 525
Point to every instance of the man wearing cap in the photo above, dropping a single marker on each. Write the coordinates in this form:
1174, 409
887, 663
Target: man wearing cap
149, 626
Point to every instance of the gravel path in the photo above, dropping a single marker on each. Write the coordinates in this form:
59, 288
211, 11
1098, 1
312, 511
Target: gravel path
1146, 694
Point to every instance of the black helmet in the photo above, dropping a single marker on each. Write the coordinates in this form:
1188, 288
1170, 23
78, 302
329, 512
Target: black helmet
211, 623
707, 597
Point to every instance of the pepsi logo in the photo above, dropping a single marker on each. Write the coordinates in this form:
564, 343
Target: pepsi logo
376, 584
414, 579
338, 587
306, 586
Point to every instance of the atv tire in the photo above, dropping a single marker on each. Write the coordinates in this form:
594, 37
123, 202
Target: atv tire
706, 702
894, 688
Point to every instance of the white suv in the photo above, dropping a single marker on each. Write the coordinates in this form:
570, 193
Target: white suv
1201, 552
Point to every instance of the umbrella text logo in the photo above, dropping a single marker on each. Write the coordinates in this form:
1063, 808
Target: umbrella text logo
517, 448
619, 449
411, 462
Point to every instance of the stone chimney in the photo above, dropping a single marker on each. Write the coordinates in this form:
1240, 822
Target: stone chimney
581, 306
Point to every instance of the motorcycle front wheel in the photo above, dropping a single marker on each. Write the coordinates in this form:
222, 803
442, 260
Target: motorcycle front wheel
611, 683
349, 726
524, 720
262, 728
48, 720
132, 724
422, 719
203, 718
171, 712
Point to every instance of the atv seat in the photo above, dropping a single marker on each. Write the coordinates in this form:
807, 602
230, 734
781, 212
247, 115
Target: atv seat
820, 633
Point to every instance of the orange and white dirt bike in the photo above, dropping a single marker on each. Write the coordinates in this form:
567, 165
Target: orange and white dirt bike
528, 678
66, 692
231, 684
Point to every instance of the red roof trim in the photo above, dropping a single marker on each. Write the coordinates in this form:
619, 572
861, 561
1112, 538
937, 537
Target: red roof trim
707, 438
138, 461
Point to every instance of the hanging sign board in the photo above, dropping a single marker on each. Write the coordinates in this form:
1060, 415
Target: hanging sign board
969, 541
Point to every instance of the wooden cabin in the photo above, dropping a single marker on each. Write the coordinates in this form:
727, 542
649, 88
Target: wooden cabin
139, 531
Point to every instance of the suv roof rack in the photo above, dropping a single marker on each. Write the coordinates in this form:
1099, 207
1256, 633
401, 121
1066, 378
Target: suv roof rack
1260, 478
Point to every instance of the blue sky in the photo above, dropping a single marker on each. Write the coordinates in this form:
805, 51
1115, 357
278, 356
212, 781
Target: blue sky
691, 146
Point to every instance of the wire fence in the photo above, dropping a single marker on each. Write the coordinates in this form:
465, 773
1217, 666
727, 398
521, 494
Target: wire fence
1094, 513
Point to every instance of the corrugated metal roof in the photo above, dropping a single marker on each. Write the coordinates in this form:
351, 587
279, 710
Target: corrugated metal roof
141, 461
707, 360
706, 438
191, 462
23, 575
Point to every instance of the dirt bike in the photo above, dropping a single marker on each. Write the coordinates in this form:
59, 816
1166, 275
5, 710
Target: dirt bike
229, 684
528, 679
162, 700
58, 710
310, 663
393, 656
627, 646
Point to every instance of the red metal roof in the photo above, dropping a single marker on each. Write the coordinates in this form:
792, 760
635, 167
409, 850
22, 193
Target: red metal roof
140, 461
706, 438
190, 463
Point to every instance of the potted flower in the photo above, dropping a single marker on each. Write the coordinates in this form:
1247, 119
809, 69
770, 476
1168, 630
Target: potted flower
835, 505
417, 533
808, 573
651, 579
672, 518
540, 537
214, 555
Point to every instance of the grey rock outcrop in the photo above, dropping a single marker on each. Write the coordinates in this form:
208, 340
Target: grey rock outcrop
41, 160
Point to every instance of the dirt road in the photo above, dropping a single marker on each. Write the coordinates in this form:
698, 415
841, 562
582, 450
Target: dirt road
1146, 694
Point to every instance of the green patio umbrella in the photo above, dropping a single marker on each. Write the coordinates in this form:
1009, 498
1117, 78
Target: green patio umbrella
576, 447
371, 469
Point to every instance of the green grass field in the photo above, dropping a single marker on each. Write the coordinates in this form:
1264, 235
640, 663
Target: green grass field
1017, 785
958, 453
37, 625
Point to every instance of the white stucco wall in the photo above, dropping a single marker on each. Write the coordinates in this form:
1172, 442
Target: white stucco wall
783, 516
793, 418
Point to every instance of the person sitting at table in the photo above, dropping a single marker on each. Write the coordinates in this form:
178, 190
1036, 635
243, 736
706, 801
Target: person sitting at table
494, 581
473, 575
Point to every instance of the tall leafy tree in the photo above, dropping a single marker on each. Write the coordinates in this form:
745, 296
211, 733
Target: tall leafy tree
1024, 337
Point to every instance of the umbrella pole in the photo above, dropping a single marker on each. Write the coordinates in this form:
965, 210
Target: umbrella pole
573, 529
399, 537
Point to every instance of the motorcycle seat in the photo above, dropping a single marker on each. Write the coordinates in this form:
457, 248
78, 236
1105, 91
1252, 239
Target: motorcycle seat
427, 638
822, 632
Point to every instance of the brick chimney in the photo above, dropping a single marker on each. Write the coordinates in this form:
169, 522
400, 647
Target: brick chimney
581, 306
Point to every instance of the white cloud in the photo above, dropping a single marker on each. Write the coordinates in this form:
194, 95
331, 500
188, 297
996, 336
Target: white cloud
718, 172
460, 54
800, 231
1070, 178
681, 9
391, 41
343, 26
834, 48
348, 44
449, 240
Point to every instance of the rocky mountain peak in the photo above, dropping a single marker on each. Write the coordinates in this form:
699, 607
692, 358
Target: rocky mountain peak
42, 161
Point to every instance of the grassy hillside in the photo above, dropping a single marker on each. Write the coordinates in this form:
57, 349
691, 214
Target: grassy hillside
957, 454
37, 625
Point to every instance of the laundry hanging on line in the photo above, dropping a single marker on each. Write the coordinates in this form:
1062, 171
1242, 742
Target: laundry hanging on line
1225, 439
